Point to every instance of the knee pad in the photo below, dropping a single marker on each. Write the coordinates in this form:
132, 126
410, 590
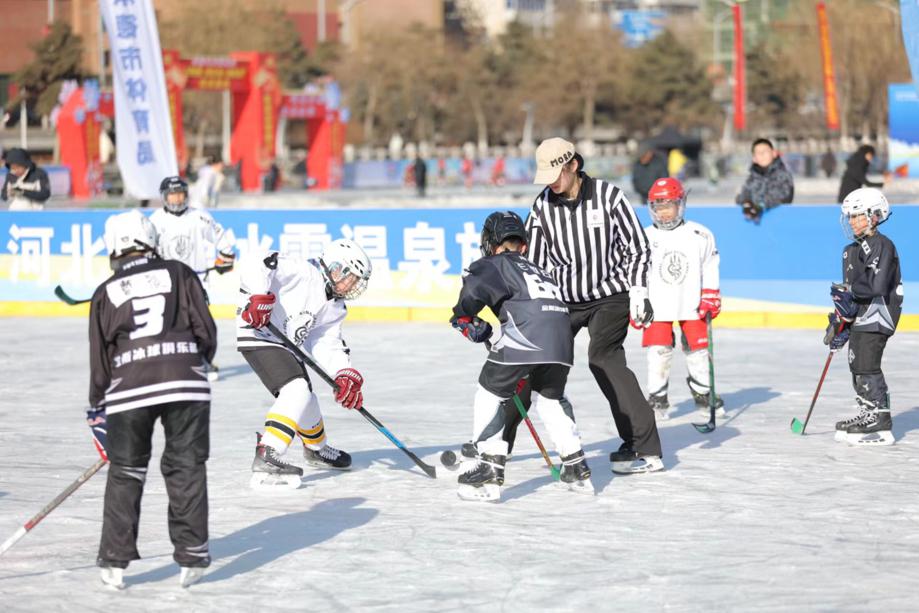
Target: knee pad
697, 365
871, 387
660, 358
490, 414
560, 426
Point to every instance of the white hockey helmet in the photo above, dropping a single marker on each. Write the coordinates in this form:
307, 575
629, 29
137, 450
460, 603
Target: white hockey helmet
346, 268
174, 185
130, 232
867, 201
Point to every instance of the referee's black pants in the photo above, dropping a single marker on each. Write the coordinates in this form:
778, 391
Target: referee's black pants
607, 322
186, 426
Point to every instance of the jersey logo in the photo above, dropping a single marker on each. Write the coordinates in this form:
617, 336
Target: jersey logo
674, 267
139, 285
512, 338
594, 218
180, 248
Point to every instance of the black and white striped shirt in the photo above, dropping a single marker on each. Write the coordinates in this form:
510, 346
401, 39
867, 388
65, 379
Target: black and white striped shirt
593, 247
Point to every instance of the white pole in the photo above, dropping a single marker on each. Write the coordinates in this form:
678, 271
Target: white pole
23, 125
320, 16
225, 127
50, 11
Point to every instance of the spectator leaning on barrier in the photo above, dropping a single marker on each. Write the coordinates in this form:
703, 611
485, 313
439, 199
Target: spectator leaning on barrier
769, 183
648, 168
856, 173
26, 187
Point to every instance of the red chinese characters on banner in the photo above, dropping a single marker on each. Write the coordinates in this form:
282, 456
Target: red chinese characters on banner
830, 99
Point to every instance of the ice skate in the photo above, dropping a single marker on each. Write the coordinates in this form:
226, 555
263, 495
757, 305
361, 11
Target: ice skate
113, 577
873, 430
483, 480
628, 462
661, 406
327, 457
269, 472
190, 575
702, 406
576, 474
842, 426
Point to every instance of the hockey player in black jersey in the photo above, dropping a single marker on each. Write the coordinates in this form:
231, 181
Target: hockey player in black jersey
150, 333
534, 341
868, 304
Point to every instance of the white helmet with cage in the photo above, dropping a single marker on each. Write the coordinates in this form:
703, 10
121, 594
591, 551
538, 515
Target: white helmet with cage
867, 201
346, 268
130, 232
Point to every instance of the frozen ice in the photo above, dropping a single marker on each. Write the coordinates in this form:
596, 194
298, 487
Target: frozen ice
750, 517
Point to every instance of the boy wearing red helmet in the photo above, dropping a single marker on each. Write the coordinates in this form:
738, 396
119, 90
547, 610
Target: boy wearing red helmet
683, 288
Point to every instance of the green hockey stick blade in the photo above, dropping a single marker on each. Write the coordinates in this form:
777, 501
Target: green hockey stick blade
797, 426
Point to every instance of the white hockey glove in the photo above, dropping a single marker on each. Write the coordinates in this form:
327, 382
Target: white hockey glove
640, 312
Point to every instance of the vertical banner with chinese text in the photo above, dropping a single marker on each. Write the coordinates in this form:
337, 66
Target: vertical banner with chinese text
740, 78
830, 100
144, 135
909, 24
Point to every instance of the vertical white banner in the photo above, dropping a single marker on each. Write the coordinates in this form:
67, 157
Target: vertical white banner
146, 150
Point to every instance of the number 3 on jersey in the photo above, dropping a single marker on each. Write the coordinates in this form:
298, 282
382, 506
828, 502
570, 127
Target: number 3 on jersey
148, 315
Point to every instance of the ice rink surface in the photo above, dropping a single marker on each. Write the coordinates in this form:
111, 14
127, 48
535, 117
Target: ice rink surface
750, 517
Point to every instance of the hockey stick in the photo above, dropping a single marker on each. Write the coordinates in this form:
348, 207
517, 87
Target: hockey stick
710, 426
92, 470
65, 297
309, 361
796, 426
556, 474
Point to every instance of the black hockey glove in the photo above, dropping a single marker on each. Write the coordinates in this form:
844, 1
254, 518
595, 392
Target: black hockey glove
473, 328
95, 419
837, 333
844, 302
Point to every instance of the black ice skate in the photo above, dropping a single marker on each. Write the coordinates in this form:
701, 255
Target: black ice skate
629, 462
576, 474
270, 472
701, 401
864, 407
661, 405
874, 429
484, 479
327, 457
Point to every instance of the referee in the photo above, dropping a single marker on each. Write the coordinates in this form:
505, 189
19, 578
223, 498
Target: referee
585, 233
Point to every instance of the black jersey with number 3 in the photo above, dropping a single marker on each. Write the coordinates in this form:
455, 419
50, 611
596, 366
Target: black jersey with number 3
149, 332
535, 328
871, 267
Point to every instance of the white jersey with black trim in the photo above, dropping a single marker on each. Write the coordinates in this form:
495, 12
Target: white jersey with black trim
303, 310
193, 238
683, 262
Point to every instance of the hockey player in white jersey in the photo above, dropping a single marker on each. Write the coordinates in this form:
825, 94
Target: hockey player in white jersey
190, 235
683, 288
306, 301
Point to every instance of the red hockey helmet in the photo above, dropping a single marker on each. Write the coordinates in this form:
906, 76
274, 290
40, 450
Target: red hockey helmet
667, 202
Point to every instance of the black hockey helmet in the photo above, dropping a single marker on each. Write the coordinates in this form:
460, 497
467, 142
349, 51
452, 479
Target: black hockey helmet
174, 185
498, 227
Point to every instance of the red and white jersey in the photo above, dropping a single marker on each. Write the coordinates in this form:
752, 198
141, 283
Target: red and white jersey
303, 309
683, 262
193, 238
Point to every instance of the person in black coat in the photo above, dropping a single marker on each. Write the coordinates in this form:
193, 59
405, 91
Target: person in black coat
647, 169
855, 175
421, 175
26, 186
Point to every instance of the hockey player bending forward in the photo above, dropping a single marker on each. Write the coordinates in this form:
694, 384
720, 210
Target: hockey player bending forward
535, 341
306, 301
683, 288
149, 330
868, 305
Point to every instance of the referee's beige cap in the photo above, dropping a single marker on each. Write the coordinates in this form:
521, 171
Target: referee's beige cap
551, 155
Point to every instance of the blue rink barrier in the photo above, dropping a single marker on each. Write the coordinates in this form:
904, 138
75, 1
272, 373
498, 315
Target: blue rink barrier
785, 265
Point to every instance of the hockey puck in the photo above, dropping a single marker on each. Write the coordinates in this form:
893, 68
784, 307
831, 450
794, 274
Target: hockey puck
448, 458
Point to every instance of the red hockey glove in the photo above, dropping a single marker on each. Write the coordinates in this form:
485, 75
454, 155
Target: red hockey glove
710, 303
475, 329
349, 394
258, 312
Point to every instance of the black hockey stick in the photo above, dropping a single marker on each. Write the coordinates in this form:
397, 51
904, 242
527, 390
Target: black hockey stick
796, 426
64, 296
309, 361
710, 426
92, 470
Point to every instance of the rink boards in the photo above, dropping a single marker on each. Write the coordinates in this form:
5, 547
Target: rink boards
775, 274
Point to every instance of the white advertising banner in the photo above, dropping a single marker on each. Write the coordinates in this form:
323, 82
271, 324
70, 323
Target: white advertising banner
144, 142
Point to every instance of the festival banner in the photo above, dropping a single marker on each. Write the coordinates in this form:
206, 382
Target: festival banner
740, 72
143, 130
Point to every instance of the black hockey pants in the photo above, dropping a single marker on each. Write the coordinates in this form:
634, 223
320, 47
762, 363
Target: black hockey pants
186, 426
865, 352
